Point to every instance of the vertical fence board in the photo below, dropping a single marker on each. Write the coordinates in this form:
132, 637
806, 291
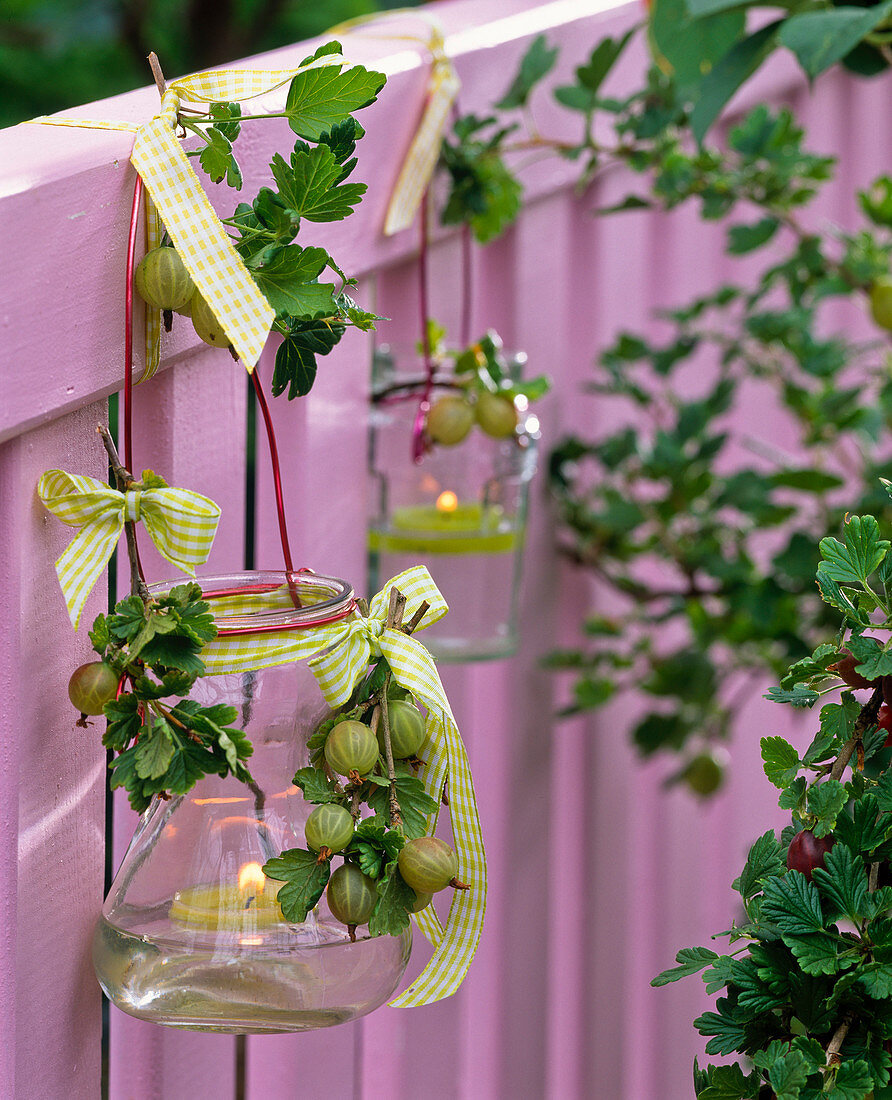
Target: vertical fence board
54, 785
189, 426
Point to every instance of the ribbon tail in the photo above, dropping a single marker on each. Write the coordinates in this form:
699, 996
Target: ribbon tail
421, 160
81, 564
201, 240
153, 316
453, 955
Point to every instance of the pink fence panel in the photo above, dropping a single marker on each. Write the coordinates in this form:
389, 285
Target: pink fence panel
598, 875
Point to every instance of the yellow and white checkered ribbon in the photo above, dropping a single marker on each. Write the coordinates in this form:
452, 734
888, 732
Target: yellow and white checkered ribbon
176, 198
339, 655
182, 525
443, 85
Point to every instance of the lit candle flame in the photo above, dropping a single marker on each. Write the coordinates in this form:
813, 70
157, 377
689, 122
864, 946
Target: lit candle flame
251, 879
447, 501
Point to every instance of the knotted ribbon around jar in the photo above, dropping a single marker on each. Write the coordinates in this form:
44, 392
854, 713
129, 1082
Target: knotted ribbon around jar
181, 523
339, 655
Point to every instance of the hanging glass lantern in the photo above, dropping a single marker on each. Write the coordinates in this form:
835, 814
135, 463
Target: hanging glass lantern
191, 934
460, 510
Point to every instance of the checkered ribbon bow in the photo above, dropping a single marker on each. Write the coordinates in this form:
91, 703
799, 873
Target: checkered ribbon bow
339, 655
182, 525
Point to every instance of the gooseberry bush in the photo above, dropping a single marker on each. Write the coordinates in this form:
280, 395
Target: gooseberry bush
805, 987
699, 535
310, 186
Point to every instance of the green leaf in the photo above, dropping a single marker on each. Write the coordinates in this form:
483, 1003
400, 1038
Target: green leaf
216, 156
375, 847
729, 73
867, 828
316, 787
226, 118
729, 1032
319, 99
288, 283
821, 38
860, 556
873, 660
295, 367
309, 186
843, 882
781, 761
765, 860
691, 960
100, 635
728, 1083
837, 724
537, 62
853, 1080
832, 594
793, 904
816, 954
747, 238
392, 912
155, 750
807, 481
799, 695
583, 96
883, 789
128, 619
415, 804
305, 879
826, 801
124, 722
690, 47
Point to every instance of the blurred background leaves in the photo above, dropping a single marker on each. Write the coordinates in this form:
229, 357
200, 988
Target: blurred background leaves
56, 54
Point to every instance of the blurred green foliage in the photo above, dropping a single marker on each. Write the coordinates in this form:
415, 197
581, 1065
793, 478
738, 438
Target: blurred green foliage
59, 53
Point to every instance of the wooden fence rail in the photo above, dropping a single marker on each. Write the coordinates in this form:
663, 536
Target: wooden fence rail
594, 881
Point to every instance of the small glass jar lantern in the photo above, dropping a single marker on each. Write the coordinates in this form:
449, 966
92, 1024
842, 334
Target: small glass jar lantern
461, 511
191, 934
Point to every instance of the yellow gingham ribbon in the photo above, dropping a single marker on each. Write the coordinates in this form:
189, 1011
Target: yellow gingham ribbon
182, 525
339, 655
176, 198
443, 86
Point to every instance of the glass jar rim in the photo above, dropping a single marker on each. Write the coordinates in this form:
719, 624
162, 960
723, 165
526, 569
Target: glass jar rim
321, 599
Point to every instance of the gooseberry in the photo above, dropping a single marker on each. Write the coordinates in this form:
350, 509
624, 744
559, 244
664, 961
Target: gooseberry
351, 747
704, 774
884, 722
206, 324
807, 851
845, 670
92, 686
351, 895
329, 826
406, 729
495, 414
427, 864
449, 420
162, 280
881, 302
422, 901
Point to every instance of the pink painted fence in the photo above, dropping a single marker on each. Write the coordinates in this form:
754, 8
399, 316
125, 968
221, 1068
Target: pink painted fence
598, 876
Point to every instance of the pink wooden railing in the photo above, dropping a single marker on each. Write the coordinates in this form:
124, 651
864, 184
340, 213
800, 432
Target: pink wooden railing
598, 876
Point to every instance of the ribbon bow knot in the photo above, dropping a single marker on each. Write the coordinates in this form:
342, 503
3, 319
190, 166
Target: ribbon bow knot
182, 524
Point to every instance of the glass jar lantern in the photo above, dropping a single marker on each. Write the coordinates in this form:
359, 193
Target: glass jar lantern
191, 935
461, 511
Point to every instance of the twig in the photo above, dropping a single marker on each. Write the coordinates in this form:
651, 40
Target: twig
155, 66
835, 1044
125, 481
395, 611
866, 719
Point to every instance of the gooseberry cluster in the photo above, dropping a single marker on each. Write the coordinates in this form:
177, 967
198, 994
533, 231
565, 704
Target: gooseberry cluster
162, 281
390, 868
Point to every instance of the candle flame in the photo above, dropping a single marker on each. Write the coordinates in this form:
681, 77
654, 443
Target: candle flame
251, 879
447, 501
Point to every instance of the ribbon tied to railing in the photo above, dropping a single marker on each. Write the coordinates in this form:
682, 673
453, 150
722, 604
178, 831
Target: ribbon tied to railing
339, 655
181, 523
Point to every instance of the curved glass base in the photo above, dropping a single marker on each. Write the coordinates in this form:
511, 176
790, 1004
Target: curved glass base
259, 984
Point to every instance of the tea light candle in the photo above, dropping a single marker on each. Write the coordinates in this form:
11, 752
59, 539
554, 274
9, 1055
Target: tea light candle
449, 526
244, 907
